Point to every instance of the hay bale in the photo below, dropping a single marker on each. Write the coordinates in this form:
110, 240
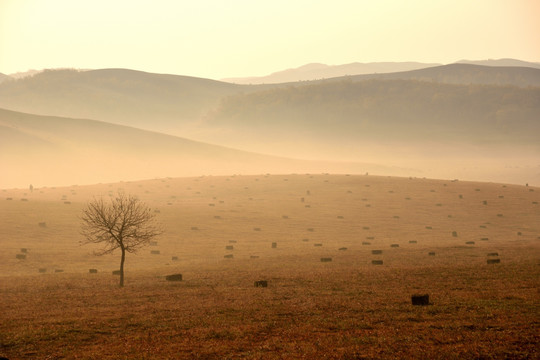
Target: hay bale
24, 199
9, 198
305, 240
366, 243
153, 243
154, 252
261, 283
454, 233
311, 229
20, 256
232, 241
396, 217
493, 254
519, 233
174, 258
365, 227
229, 256
254, 257
394, 245
340, 217
24, 250
484, 202
116, 272
58, 270
412, 241
284, 217
370, 237
194, 228
500, 215
484, 239
42, 270
67, 202
376, 262
92, 271
429, 228
469, 242
431, 253
342, 249
460, 196
229, 247
420, 299
318, 244
274, 245
256, 229
42, 224
326, 259
308, 206
494, 261
302, 200
376, 252
174, 277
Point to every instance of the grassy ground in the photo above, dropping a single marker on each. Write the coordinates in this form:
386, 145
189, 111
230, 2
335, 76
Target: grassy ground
343, 309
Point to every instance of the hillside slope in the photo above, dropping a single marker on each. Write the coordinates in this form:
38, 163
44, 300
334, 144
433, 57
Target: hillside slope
53, 151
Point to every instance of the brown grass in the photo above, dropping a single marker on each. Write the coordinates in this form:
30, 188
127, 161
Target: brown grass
343, 309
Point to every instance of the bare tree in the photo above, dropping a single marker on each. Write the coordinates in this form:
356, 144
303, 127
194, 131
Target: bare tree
124, 223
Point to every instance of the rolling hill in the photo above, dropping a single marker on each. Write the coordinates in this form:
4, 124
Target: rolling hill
46, 150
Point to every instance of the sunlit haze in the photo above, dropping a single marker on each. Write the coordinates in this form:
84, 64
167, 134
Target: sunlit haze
219, 39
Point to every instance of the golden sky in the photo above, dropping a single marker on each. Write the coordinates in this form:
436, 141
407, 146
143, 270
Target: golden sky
228, 38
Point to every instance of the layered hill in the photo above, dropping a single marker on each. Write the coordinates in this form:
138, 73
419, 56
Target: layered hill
46, 150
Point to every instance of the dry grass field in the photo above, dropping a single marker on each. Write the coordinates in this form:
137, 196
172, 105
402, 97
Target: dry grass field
436, 237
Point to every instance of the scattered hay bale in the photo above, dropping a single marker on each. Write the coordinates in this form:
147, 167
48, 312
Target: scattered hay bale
274, 245
116, 272
484, 239
305, 240
469, 242
483, 226
454, 233
229, 256
396, 217
261, 283
501, 196
318, 244
58, 270
42, 224
493, 254
302, 199
376, 252
229, 247
438, 204
24, 250
342, 249
174, 258
92, 271
232, 241
460, 196
256, 229
366, 243
420, 300
157, 211
284, 217
308, 192
370, 237
9, 198
535, 202
412, 241
254, 257
20, 256
519, 233
340, 217
217, 217
194, 228
484, 202
308, 206
211, 204
376, 262
394, 245
494, 261
368, 205
153, 243
311, 229
500, 215
429, 228
24, 199
174, 277
431, 253
42, 270
326, 259
154, 252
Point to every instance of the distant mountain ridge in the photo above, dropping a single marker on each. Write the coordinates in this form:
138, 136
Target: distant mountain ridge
316, 71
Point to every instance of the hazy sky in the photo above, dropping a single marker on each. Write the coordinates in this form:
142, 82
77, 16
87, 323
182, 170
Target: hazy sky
228, 38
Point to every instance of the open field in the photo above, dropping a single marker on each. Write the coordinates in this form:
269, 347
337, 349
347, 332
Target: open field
346, 308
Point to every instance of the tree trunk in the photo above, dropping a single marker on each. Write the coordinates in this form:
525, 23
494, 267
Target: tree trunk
122, 267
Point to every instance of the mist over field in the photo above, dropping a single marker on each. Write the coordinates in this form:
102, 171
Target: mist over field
466, 121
